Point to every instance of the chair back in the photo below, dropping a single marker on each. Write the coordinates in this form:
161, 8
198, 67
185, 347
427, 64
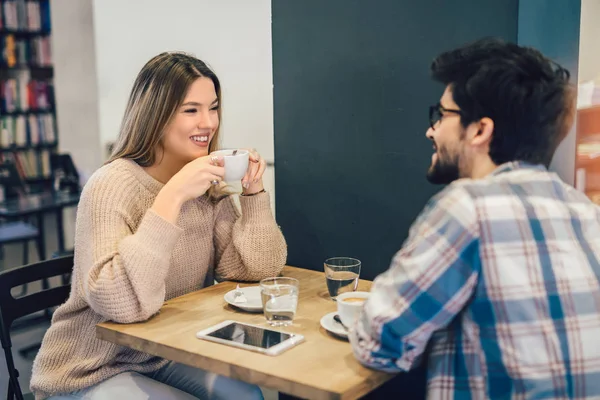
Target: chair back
64, 173
12, 308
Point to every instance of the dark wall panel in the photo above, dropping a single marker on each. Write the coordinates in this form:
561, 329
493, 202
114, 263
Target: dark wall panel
351, 97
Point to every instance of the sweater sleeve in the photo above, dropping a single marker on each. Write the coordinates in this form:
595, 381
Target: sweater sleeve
249, 247
123, 268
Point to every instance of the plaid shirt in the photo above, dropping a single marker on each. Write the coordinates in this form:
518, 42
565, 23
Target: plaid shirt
499, 278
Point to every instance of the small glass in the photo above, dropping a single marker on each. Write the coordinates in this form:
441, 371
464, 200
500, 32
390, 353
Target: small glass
280, 300
341, 274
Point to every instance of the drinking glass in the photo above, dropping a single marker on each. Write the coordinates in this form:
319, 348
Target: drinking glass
342, 275
280, 299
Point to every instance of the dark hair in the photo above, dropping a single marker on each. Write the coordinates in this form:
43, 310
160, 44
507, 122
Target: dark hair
528, 97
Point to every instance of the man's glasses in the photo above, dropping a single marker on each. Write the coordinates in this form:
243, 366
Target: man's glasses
436, 113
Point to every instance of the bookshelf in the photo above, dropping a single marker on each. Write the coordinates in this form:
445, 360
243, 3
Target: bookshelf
588, 151
28, 135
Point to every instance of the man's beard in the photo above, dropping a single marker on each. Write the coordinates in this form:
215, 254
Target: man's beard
445, 170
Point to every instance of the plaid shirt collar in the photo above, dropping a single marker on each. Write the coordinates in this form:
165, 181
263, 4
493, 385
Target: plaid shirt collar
516, 165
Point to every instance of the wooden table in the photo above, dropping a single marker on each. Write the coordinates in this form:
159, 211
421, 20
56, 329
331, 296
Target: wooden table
323, 367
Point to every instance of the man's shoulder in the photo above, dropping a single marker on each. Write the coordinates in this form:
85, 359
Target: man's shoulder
514, 183
457, 191
454, 202
466, 196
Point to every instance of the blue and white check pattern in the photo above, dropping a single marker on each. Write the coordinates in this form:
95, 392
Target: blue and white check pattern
500, 278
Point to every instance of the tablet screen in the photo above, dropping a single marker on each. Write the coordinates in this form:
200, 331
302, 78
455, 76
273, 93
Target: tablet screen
250, 335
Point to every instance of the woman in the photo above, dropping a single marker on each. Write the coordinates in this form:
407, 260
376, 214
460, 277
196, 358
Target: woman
154, 223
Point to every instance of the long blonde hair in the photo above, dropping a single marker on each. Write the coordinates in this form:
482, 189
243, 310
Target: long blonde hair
159, 90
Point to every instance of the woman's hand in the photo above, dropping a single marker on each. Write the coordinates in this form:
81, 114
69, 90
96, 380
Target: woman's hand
196, 177
252, 182
192, 181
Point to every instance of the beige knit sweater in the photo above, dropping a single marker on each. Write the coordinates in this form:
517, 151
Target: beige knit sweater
129, 260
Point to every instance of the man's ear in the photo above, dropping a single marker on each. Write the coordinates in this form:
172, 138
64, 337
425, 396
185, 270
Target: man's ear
480, 133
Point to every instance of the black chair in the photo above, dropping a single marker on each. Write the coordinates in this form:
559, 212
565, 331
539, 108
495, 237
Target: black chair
12, 308
68, 252
64, 173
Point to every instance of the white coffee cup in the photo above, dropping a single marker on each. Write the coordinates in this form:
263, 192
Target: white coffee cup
235, 165
349, 306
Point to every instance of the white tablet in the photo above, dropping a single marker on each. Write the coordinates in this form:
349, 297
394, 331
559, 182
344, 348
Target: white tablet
251, 337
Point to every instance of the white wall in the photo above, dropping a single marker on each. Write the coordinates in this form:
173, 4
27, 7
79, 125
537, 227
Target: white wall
589, 48
76, 95
232, 36
75, 80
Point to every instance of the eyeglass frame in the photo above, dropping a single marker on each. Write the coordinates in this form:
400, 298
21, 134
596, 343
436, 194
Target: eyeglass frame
440, 110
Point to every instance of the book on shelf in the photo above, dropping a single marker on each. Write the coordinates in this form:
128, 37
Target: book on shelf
25, 131
25, 15
24, 94
25, 52
29, 163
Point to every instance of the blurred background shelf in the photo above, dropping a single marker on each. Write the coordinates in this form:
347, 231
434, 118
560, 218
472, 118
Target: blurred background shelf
28, 129
588, 152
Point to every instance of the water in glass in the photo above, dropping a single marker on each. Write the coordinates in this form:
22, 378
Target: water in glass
339, 282
280, 300
341, 275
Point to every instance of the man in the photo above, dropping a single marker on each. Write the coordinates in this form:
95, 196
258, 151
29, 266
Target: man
500, 276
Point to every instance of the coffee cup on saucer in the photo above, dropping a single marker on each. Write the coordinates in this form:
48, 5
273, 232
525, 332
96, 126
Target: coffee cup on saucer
349, 306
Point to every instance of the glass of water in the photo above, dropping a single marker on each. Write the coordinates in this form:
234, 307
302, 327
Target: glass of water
342, 275
280, 300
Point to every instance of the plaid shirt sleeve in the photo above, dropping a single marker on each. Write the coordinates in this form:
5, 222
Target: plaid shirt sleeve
429, 281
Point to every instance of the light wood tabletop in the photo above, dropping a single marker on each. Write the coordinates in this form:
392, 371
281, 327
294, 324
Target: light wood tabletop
323, 367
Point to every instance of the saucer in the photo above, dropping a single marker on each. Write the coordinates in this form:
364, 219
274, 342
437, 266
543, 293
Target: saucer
252, 294
333, 327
